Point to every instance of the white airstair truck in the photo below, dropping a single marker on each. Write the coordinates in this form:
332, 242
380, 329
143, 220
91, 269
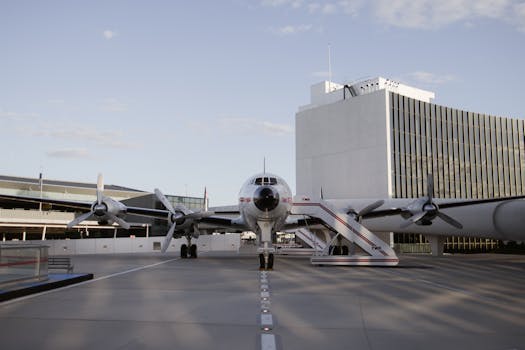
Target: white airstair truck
379, 252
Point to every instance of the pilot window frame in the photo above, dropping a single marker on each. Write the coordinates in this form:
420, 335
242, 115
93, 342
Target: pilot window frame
265, 180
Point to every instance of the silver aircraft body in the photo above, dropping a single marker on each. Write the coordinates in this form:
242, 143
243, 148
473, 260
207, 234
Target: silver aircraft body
266, 202
265, 198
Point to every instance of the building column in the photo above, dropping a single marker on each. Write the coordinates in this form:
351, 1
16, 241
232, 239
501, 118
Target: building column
24, 235
387, 237
437, 244
44, 233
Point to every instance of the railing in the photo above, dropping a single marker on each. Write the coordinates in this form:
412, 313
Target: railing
412, 248
35, 215
23, 263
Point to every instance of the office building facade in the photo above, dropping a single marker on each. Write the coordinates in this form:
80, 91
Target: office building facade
380, 138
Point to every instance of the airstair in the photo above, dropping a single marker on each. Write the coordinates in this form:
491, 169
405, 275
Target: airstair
379, 252
311, 239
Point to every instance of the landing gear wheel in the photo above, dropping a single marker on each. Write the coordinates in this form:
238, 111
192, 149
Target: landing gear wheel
270, 262
183, 251
262, 263
345, 250
193, 251
337, 250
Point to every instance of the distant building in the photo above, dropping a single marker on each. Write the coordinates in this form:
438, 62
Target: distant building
380, 138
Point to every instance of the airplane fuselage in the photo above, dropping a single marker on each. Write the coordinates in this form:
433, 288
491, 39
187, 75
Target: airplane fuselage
265, 198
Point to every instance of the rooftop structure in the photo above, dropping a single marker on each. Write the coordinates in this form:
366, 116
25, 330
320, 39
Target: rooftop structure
327, 92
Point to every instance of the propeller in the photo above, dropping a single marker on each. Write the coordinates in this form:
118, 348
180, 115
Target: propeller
428, 210
175, 215
178, 213
100, 209
366, 210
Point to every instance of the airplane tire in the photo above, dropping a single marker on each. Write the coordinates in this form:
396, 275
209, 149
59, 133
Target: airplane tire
337, 250
345, 250
193, 251
270, 261
262, 263
183, 251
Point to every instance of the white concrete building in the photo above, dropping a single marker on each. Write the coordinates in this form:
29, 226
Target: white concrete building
380, 138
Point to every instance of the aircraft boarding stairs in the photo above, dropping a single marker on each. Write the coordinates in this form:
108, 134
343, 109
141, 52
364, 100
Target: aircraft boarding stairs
379, 252
311, 239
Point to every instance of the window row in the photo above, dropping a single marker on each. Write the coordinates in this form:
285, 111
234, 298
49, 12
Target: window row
465, 161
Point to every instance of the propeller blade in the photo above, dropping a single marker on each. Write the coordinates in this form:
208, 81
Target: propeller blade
413, 219
205, 199
449, 220
430, 188
119, 221
371, 207
79, 219
169, 236
100, 188
162, 198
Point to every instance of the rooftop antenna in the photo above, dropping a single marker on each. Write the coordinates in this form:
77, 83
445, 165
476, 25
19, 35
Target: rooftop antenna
264, 165
329, 69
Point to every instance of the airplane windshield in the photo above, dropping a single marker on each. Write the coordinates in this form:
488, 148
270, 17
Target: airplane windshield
265, 181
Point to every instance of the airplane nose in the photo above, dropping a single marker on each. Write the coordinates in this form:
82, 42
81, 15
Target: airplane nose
266, 198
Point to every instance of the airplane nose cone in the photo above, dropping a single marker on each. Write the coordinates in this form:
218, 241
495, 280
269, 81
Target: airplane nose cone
266, 198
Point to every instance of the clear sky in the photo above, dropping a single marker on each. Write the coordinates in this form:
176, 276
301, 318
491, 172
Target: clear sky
185, 94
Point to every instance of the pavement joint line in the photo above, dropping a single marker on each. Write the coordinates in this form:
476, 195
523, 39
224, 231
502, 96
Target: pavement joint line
453, 289
87, 282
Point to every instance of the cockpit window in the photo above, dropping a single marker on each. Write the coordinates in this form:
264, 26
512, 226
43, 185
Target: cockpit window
265, 181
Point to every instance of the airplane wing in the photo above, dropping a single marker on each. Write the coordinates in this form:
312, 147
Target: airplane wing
444, 204
221, 219
56, 202
84, 206
499, 218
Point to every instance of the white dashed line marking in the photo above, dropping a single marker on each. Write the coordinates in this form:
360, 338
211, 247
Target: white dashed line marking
267, 342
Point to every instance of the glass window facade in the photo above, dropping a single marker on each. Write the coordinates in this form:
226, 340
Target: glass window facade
469, 155
193, 203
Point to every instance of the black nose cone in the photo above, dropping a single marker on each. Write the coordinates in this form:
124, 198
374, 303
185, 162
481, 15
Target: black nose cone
266, 198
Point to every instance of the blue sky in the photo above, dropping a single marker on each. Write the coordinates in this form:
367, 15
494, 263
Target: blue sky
185, 94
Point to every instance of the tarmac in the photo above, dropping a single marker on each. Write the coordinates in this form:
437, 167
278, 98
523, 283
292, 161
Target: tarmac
218, 301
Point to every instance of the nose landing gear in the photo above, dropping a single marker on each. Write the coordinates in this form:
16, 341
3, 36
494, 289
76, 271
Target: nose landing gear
266, 263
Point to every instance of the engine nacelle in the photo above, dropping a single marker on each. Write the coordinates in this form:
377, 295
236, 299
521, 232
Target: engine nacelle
108, 206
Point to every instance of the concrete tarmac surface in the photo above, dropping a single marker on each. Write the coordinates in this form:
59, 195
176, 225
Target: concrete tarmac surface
155, 301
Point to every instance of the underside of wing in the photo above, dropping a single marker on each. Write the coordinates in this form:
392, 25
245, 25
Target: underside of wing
55, 202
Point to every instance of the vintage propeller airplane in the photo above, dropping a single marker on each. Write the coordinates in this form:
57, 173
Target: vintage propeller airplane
265, 207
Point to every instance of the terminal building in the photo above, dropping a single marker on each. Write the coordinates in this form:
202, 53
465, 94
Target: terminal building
32, 221
381, 139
